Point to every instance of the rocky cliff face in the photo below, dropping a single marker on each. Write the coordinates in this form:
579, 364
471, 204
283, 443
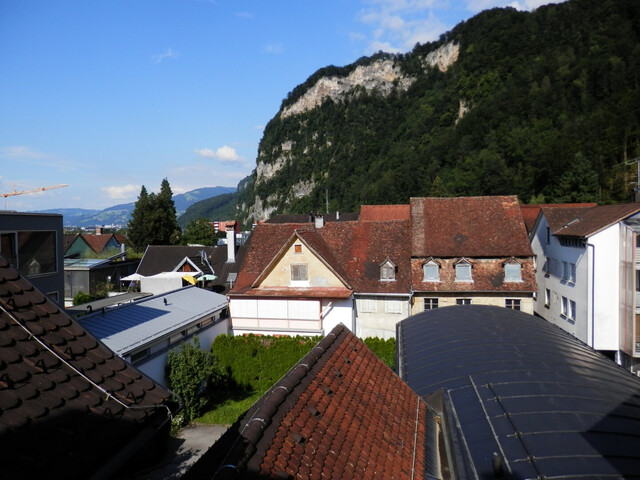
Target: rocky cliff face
381, 78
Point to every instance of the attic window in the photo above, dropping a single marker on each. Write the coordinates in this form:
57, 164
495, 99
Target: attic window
388, 271
512, 272
299, 272
431, 271
463, 272
297, 248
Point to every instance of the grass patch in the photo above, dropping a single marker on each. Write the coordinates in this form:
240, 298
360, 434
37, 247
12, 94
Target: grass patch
228, 411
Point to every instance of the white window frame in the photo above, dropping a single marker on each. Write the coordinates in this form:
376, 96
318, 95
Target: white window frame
463, 301
463, 266
431, 265
392, 305
564, 307
297, 270
368, 305
431, 303
517, 275
513, 303
571, 315
387, 271
547, 297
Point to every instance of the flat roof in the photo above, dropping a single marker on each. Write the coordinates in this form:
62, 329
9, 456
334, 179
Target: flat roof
133, 325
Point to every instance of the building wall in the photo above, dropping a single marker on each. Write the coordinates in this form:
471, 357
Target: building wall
335, 312
449, 300
276, 315
318, 274
377, 315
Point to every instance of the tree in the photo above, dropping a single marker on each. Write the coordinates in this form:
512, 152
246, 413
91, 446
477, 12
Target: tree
191, 372
140, 223
200, 232
153, 220
579, 183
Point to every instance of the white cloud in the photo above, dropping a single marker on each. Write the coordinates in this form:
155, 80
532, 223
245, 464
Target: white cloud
24, 152
224, 153
123, 192
273, 48
169, 53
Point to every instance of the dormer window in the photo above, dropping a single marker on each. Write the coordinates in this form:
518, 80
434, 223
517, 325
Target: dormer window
431, 271
388, 271
512, 271
463, 271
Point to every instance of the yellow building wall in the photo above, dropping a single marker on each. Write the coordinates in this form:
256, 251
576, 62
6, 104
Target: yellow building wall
526, 303
318, 274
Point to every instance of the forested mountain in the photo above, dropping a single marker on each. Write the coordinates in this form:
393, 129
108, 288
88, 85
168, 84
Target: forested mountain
542, 104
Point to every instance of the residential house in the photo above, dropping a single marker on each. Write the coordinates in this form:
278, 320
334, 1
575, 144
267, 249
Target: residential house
143, 332
588, 275
93, 275
495, 393
70, 408
163, 267
306, 278
470, 250
32, 243
87, 245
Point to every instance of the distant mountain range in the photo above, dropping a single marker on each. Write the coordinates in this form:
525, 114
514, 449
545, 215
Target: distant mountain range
120, 214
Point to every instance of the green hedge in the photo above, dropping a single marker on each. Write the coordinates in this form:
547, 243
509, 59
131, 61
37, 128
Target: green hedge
257, 362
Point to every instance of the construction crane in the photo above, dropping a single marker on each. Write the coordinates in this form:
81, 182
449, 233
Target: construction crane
35, 190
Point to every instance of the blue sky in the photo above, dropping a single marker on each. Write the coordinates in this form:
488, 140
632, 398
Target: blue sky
107, 96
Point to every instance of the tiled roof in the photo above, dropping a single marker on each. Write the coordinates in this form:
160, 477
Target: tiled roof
97, 243
339, 413
468, 227
530, 212
384, 212
68, 404
354, 250
586, 222
309, 218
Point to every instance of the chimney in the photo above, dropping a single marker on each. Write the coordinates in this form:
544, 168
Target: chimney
98, 230
319, 221
123, 251
231, 242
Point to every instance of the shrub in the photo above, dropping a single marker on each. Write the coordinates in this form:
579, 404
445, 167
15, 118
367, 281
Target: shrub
384, 349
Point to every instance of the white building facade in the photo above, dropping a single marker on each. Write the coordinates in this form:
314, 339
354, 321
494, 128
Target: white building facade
587, 276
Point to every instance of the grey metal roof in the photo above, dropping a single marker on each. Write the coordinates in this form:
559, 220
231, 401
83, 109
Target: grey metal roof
106, 302
132, 325
518, 386
83, 263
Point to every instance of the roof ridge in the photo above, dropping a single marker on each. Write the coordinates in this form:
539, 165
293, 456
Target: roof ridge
283, 390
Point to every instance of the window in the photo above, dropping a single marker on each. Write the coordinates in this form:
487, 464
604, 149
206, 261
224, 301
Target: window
572, 272
431, 272
572, 310
463, 272
388, 271
139, 355
33, 253
463, 301
393, 305
299, 272
547, 297
430, 303
564, 309
512, 303
512, 272
565, 271
368, 305
547, 266
548, 235
297, 248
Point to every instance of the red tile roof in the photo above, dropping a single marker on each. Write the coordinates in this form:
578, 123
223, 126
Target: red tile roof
530, 212
97, 243
68, 405
353, 250
379, 213
339, 413
468, 227
586, 222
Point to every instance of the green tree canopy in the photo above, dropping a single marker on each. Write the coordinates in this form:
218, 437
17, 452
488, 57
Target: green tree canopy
200, 232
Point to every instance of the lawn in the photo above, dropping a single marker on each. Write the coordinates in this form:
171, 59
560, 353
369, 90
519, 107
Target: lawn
228, 411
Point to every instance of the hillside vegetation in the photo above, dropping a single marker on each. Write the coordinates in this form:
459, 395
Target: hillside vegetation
542, 104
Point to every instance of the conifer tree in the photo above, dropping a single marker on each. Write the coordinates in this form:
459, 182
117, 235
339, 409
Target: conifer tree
140, 223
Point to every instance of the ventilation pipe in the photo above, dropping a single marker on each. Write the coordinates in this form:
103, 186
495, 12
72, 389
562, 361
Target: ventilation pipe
231, 242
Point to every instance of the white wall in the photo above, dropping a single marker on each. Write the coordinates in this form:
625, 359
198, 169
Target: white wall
335, 312
379, 323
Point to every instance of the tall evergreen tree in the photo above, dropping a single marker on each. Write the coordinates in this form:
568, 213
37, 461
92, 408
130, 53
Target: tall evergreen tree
140, 223
167, 230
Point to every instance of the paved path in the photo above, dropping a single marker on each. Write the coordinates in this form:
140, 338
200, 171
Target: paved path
184, 450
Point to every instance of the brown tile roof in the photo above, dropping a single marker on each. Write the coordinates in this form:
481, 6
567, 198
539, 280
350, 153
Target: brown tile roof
354, 250
385, 212
530, 212
586, 222
97, 243
67, 240
339, 413
468, 227
68, 405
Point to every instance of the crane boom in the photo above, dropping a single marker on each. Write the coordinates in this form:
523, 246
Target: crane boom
41, 189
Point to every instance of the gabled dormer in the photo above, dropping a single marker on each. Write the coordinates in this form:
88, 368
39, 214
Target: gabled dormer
430, 271
463, 271
388, 271
512, 270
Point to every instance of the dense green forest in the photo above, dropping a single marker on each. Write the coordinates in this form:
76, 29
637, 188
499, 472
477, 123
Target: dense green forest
552, 114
